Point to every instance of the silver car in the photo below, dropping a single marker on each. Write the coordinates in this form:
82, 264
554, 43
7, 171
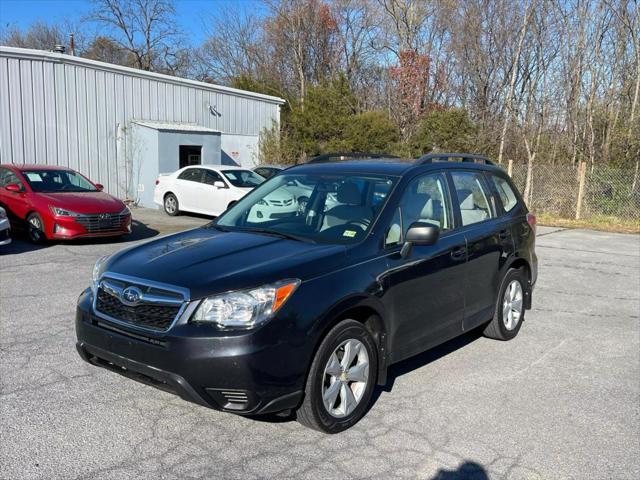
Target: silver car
5, 228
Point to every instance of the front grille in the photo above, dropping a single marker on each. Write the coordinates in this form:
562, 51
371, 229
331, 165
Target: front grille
149, 316
281, 203
102, 222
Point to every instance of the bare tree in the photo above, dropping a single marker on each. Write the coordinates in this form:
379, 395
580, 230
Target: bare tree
145, 28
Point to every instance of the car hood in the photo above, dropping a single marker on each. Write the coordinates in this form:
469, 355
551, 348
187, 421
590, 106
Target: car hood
83, 202
206, 260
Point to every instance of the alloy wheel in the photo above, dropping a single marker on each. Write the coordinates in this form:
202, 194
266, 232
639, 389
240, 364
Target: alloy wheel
35, 230
345, 378
512, 305
170, 204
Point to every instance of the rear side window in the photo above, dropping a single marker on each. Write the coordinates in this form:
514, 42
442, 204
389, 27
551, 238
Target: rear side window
192, 174
473, 197
505, 192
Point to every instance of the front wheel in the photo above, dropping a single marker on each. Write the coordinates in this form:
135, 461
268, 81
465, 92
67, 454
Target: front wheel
341, 379
509, 313
35, 228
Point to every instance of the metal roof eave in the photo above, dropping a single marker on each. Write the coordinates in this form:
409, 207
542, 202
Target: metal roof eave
14, 52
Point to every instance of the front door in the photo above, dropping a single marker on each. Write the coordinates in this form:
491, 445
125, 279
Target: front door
215, 200
425, 289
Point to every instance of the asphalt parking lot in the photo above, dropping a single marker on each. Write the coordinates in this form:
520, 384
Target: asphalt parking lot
562, 400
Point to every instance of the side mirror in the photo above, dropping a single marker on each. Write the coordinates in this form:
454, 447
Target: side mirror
13, 187
419, 233
219, 184
99, 186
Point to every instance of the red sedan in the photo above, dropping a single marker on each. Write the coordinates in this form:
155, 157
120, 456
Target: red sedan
59, 203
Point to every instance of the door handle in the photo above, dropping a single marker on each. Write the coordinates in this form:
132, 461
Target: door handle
458, 253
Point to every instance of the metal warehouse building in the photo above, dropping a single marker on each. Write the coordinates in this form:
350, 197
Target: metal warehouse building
120, 126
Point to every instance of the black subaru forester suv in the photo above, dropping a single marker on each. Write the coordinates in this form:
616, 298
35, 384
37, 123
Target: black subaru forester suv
306, 310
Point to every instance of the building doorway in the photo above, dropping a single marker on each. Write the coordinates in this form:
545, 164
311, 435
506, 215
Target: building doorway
190, 155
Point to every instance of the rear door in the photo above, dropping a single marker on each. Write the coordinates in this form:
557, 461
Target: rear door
425, 294
187, 188
489, 243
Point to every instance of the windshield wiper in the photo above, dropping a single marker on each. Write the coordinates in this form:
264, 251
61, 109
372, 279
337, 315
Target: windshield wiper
266, 231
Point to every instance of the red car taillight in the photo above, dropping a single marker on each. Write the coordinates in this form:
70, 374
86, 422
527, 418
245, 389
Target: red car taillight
531, 220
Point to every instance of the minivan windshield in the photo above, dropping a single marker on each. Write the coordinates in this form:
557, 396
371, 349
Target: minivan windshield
320, 208
243, 178
50, 181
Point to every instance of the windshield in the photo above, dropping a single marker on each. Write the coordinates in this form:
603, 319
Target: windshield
243, 178
48, 181
311, 207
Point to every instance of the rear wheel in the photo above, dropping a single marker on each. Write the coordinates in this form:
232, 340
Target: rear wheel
171, 205
35, 228
341, 379
509, 313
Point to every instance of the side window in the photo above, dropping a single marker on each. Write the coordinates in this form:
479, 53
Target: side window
473, 197
262, 171
191, 174
505, 192
4, 177
7, 177
210, 177
425, 200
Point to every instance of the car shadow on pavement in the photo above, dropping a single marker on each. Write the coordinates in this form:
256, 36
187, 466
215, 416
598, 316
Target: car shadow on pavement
467, 471
422, 359
21, 244
395, 371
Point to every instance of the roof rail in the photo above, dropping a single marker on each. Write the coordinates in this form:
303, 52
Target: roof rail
338, 157
447, 157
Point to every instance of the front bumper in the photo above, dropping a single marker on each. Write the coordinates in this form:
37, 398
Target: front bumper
238, 373
67, 228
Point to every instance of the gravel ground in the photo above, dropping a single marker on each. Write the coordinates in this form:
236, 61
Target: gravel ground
562, 400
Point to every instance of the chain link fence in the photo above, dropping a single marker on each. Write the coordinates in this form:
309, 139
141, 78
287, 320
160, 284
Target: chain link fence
556, 190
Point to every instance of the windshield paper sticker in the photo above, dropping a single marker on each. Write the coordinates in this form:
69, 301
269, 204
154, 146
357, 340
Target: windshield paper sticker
349, 233
33, 176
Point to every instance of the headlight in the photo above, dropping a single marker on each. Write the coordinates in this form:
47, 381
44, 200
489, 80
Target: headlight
62, 212
245, 308
126, 211
98, 269
262, 202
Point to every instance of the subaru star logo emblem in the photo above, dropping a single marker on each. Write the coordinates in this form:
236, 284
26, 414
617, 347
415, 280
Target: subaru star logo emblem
131, 295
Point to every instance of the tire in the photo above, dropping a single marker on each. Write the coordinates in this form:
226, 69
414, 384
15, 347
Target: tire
313, 412
171, 205
35, 229
512, 293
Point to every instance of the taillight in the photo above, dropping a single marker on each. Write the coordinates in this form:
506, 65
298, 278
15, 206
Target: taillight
531, 220
157, 181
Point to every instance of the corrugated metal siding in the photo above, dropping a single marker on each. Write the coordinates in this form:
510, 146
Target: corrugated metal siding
59, 113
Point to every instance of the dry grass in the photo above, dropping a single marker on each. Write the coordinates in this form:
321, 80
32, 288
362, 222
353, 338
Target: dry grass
603, 223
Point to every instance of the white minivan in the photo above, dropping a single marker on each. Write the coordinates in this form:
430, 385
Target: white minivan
211, 189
